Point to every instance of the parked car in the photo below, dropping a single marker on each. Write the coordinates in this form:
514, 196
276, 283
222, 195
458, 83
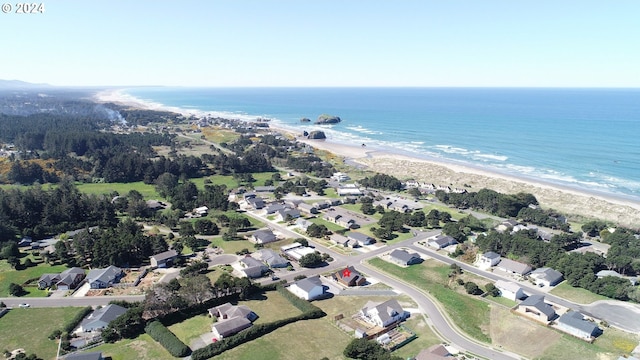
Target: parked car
24, 305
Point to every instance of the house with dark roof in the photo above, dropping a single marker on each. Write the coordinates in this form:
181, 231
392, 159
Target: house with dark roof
488, 260
308, 288
535, 308
255, 203
359, 239
95, 355
307, 208
441, 241
383, 314
163, 259
100, 318
546, 276
227, 311
263, 237
269, 188
66, 280
349, 277
273, 259
229, 327
253, 268
287, 214
273, 208
347, 222
573, 322
404, 258
513, 267
435, 352
104, 278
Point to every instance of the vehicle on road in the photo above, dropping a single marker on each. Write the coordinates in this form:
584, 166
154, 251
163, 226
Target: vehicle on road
24, 305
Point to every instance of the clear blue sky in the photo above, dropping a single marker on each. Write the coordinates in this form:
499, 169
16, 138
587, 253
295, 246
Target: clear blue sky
546, 43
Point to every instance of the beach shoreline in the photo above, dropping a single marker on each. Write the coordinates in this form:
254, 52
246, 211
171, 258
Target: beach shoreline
565, 199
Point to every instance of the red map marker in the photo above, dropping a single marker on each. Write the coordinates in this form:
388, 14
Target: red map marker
346, 273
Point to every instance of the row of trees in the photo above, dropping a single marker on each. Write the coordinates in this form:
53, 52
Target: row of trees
503, 205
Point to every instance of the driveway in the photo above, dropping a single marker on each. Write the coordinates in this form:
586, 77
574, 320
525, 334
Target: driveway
223, 259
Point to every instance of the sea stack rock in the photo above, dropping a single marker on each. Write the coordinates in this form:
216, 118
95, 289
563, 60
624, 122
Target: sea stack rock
328, 119
305, 120
316, 135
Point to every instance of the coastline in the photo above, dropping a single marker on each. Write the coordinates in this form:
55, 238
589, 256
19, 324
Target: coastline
561, 198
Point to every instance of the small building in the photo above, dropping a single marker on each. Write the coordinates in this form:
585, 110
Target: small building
535, 308
573, 322
340, 177
441, 241
273, 259
273, 208
104, 278
302, 224
349, 190
255, 203
307, 208
264, 189
229, 327
347, 222
263, 237
510, 290
546, 276
359, 239
488, 260
163, 259
227, 311
513, 267
95, 355
435, 352
383, 314
349, 277
287, 214
100, 318
201, 211
253, 268
308, 289
404, 258
339, 239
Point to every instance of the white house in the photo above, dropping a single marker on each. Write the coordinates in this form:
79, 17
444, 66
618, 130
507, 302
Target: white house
513, 267
441, 241
383, 314
546, 276
308, 289
510, 290
488, 260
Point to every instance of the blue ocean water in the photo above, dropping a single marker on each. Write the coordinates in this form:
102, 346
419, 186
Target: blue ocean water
585, 138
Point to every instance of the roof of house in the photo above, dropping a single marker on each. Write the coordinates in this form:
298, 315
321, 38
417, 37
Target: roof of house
272, 258
249, 262
548, 274
263, 235
435, 352
443, 240
165, 255
517, 267
105, 314
403, 255
339, 239
508, 285
105, 275
575, 320
385, 310
537, 301
352, 274
358, 236
306, 206
231, 325
294, 213
491, 255
73, 271
96, 355
48, 278
309, 284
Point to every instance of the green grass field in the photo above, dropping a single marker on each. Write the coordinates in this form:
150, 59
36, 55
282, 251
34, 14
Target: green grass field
141, 348
231, 247
29, 329
147, 191
575, 294
191, 329
471, 315
9, 275
609, 346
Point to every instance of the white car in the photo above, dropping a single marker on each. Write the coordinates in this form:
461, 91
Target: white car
24, 305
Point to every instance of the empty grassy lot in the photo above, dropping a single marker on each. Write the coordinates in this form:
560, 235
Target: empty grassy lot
29, 329
141, 348
575, 294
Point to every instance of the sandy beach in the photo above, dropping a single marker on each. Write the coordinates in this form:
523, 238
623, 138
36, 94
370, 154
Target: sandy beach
564, 199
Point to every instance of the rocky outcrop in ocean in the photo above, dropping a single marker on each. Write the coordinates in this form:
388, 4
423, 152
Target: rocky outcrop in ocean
328, 119
316, 135
305, 120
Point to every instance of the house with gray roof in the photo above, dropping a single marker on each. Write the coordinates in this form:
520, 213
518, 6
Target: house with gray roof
339, 239
383, 314
163, 259
308, 288
347, 222
273, 259
104, 278
359, 239
273, 208
546, 276
66, 280
435, 352
253, 268
287, 214
229, 327
488, 260
227, 311
255, 203
535, 308
307, 208
263, 237
441, 241
100, 318
513, 267
404, 258
573, 322
349, 277
302, 224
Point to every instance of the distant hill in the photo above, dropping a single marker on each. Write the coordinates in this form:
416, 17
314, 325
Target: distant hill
17, 84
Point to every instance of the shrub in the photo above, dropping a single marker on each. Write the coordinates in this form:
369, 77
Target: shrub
167, 339
75, 321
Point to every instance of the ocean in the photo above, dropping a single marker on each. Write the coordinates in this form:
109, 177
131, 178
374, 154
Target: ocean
583, 138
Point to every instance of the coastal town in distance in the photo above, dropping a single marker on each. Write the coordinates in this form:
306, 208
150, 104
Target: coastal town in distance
133, 231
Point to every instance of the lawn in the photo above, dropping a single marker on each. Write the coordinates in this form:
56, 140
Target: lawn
147, 191
575, 294
29, 329
610, 345
231, 247
8, 276
192, 328
471, 315
270, 306
329, 225
141, 348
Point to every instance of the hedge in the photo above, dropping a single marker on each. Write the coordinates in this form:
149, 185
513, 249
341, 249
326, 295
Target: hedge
73, 323
167, 339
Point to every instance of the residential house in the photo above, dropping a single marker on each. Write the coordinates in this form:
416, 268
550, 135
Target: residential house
441, 241
513, 267
104, 278
332, 216
339, 239
163, 259
227, 311
100, 318
307, 208
573, 322
404, 258
298, 252
308, 288
229, 327
264, 189
349, 277
273, 259
488, 260
253, 268
546, 276
359, 239
383, 314
506, 225
535, 308
263, 237
94, 355
510, 290
349, 190
273, 208
200, 211
604, 273
25, 241
287, 214
347, 222
155, 205
302, 224
255, 203
435, 352
340, 177
66, 280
